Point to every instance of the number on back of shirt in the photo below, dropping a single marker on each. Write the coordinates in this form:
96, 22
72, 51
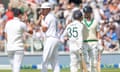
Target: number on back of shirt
72, 32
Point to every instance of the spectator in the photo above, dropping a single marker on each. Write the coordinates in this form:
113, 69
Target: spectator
2, 9
106, 11
59, 11
96, 11
113, 6
38, 39
60, 31
102, 33
54, 2
111, 39
39, 2
9, 13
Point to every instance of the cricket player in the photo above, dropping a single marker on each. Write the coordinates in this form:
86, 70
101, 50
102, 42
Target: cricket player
49, 27
14, 30
73, 33
91, 41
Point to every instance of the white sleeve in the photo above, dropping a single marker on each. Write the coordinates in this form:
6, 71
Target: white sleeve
24, 26
63, 35
44, 23
101, 12
5, 29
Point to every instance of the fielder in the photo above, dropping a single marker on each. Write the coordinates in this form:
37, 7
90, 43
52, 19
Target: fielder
91, 41
14, 30
49, 27
73, 32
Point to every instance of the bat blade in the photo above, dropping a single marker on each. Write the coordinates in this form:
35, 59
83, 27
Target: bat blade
83, 65
99, 63
98, 66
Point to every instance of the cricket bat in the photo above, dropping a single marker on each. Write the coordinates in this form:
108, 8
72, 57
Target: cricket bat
98, 64
98, 67
83, 65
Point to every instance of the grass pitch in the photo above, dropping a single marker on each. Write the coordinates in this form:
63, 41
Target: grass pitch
63, 70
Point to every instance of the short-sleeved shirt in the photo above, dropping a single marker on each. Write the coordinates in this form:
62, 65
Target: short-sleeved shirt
14, 30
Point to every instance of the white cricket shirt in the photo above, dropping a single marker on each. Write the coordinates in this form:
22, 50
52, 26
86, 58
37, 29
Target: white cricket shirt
74, 32
14, 30
51, 22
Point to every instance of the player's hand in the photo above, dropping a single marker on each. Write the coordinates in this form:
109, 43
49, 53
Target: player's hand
80, 51
41, 17
66, 38
38, 22
99, 57
30, 28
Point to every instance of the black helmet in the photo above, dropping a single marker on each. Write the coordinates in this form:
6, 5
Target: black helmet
77, 14
17, 11
87, 9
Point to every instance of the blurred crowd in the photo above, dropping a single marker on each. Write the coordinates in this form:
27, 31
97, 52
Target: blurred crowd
106, 12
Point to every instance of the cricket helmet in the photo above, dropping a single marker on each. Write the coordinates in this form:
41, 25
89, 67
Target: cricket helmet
87, 9
77, 14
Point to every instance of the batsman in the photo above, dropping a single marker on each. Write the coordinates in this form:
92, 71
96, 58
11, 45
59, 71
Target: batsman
74, 34
91, 48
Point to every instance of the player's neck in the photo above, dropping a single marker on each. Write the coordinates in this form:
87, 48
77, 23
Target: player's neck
88, 19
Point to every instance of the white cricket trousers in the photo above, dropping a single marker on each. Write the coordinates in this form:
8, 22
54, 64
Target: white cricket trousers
75, 61
50, 55
16, 58
90, 54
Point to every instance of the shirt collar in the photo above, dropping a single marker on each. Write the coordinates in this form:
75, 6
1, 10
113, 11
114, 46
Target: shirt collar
76, 21
16, 18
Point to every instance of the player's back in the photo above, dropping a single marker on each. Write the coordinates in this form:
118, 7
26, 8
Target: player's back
14, 30
74, 32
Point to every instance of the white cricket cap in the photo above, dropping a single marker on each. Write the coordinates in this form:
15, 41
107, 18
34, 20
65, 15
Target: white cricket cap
46, 5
